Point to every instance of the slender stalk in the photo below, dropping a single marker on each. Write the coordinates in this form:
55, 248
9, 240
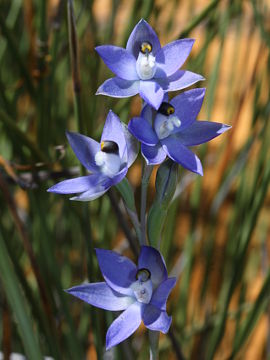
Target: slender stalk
135, 221
127, 195
124, 225
146, 173
153, 342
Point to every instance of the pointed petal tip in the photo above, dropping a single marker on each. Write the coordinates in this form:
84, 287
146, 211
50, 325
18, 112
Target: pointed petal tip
70, 135
52, 189
224, 128
200, 172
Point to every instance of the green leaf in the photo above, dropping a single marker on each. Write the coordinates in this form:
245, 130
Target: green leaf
166, 181
127, 193
155, 222
17, 303
253, 316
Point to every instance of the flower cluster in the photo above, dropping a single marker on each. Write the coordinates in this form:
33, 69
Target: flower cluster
165, 128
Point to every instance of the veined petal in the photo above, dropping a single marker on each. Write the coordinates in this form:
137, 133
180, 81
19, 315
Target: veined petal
151, 92
143, 131
200, 132
85, 149
179, 80
151, 259
187, 106
118, 271
113, 131
173, 55
153, 154
119, 88
77, 185
124, 326
101, 296
182, 155
142, 32
160, 295
155, 319
121, 62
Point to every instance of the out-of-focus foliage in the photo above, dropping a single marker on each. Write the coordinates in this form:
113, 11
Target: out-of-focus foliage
217, 227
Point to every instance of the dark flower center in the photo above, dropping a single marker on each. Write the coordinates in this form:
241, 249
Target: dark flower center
166, 109
143, 275
109, 147
145, 47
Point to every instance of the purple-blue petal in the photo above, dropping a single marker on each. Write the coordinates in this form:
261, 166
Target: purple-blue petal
151, 92
200, 132
85, 149
155, 319
119, 176
153, 154
124, 326
89, 195
143, 131
187, 106
76, 185
121, 62
142, 32
147, 113
119, 88
182, 155
173, 55
118, 271
179, 80
101, 296
151, 259
132, 145
94, 192
113, 131
160, 295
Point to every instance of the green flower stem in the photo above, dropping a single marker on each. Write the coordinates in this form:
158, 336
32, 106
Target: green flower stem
122, 221
146, 173
127, 194
153, 342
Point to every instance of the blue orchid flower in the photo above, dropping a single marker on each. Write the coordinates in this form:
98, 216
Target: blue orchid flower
141, 291
145, 67
108, 161
173, 128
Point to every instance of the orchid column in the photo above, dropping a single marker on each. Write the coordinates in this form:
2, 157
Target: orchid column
166, 128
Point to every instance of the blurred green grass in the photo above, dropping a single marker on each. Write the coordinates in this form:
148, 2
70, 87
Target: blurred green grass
216, 234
